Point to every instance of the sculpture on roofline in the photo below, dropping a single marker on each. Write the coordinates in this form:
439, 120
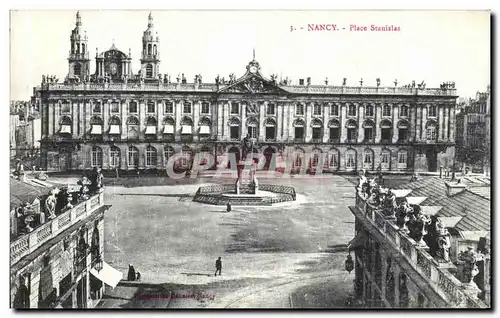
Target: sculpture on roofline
50, 203
403, 213
443, 242
468, 259
418, 225
344, 81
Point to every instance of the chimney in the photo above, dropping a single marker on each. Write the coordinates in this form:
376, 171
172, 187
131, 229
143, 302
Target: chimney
454, 188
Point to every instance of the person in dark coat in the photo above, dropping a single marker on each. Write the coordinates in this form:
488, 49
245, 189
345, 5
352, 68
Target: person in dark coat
138, 276
228, 207
218, 266
131, 273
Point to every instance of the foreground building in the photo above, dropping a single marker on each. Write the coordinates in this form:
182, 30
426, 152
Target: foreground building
474, 133
436, 257
116, 119
57, 263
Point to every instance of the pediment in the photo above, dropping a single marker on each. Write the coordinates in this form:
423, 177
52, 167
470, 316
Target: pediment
252, 84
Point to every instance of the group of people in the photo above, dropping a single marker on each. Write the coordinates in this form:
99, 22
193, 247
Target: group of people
133, 275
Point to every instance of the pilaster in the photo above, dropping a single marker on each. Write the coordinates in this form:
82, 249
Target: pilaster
309, 107
423, 131
243, 117
262, 113
343, 120
124, 112
74, 118
361, 130
395, 118
378, 119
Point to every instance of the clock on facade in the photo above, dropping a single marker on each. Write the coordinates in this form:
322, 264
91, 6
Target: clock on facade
253, 69
113, 68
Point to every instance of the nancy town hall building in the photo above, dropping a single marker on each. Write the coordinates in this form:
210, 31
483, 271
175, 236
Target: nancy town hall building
116, 119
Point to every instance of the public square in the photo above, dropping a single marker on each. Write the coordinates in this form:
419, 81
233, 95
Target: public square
288, 255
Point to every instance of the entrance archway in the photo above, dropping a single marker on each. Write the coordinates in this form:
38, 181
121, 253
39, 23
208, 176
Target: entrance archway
270, 158
233, 151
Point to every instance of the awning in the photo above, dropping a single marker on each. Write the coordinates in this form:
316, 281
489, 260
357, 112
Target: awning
114, 130
415, 200
358, 241
150, 130
401, 193
204, 130
168, 129
186, 130
107, 275
65, 129
96, 130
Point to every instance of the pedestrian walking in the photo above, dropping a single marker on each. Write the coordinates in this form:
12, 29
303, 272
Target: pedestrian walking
228, 207
218, 266
138, 276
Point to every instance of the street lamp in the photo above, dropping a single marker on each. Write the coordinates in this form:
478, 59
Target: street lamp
349, 263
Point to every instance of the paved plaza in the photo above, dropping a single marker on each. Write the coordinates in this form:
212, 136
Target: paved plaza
290, 254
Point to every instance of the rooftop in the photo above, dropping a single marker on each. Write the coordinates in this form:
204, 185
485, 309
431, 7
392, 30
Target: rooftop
21, 192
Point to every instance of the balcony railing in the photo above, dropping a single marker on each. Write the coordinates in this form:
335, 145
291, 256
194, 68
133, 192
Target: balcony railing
317, 140
334, 140
436, 273
299, 139
28, 243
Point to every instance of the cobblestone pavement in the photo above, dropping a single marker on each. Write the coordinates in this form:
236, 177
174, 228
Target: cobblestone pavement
270, 255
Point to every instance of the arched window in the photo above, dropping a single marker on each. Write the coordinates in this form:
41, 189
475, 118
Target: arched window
150, 156
234, 128
96, 160
66, 124
298, 158
386, 110
168, 152
83, 48
133, 157
351, 110
368, 159
432, 111
317, 130
333, 159
186, 155
149, 71
149, 49
350, 159
314, 161
369, 110
252, 126
270, 125
133, 127
77, 69
96, 125
431, 131
114, 157
154, 50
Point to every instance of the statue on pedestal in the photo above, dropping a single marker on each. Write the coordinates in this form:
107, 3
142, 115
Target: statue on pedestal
443, 242
246, 147
403, 216
468, 260
50, 203
418, 225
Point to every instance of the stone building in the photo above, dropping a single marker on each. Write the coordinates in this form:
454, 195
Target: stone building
474, 133
116, 119
58, 262
436, 256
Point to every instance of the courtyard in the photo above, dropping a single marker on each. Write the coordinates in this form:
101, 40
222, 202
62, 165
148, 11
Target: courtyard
286, 255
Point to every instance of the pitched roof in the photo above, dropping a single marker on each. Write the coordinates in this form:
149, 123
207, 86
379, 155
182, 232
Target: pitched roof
21, 192
484, 192
433, 188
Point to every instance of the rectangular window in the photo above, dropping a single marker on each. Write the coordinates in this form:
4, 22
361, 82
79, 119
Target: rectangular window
299, 132
114, 159
187, 108
316, 133
270, 133
299, 110
402, 158
235, 132
252, 130
270, 109
205, 108
151, 108
334, 111
384, 157
334, 133
169, 108
351, 111
66, 108
386, 110
132, 107
316, 109
115, 107
235, 108
97, 108
352, 134
368, 134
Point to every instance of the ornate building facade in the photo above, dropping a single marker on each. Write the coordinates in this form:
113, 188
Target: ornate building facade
119, 120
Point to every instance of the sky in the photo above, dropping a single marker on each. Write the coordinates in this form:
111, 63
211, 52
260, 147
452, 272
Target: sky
433, 46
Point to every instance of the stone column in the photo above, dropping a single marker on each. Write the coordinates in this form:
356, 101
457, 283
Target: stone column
196, 119
225, 127
413, 122
178, 111
326, 118
243, 117
452, 123
441, 122
220, 120
309, 107
124, 112
262, 113
279, 121
75, 118
423, 129
88, 110
142, 117
57, 112
395, 118
105, 155
361, 118
160, 111
105, 114
290, 132
378, 119
446, 122
343, 120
